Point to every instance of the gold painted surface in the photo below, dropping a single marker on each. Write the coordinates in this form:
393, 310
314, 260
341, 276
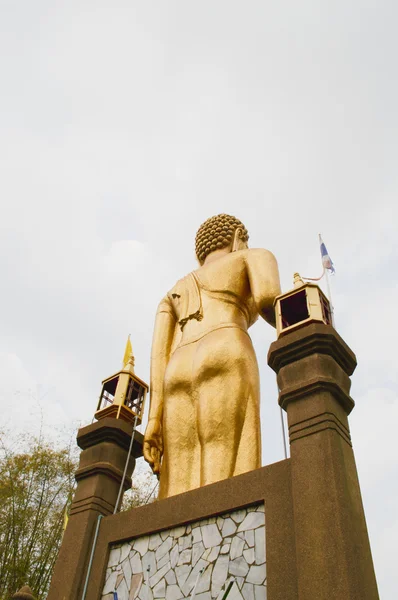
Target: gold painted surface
204, 418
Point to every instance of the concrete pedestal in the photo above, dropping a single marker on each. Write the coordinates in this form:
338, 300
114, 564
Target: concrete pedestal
316, 540
333, 555
104, 447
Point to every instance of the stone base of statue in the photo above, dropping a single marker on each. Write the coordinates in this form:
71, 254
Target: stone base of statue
292, 530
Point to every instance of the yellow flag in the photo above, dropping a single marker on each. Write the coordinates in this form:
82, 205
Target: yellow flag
128, 352
66, 517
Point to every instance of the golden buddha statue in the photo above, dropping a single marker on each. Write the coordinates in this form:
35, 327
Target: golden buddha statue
204, 416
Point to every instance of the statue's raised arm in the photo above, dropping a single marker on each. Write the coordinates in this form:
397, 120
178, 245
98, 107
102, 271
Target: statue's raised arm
205, 399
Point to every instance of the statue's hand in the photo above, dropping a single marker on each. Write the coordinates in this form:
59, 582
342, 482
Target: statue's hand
153, 444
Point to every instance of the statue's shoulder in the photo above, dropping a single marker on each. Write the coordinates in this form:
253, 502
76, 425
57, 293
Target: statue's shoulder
258, 254
180, 285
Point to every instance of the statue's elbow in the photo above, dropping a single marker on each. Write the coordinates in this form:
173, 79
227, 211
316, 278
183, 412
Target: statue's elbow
267, 311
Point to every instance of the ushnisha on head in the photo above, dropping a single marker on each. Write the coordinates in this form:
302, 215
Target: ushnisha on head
216, 233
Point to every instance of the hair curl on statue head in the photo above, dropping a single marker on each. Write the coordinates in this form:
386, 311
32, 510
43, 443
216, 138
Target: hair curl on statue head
216, 233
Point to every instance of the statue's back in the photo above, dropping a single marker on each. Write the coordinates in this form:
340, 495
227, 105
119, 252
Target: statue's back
205, 397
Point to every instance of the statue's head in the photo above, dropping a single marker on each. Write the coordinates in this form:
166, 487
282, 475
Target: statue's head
220, 232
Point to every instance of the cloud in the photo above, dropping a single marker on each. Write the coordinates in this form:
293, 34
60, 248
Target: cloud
125, 127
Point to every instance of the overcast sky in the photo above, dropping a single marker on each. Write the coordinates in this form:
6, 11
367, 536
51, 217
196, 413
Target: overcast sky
124, 125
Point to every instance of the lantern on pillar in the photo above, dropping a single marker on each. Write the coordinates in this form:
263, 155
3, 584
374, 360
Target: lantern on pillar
304, 304
123, 395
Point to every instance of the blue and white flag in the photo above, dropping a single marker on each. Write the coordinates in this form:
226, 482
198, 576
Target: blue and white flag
326, 260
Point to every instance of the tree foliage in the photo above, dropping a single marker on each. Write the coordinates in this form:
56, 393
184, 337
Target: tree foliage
36, 485
143, 490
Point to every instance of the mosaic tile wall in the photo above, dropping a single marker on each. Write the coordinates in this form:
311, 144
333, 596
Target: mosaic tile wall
206, 557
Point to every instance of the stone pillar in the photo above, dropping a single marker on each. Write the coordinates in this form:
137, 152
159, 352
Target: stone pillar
334, 561
104, 447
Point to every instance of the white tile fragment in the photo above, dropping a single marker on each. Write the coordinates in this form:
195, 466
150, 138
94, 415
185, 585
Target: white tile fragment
174, 556
145, 593
236, 548
204, 580
165, 559
159, 591
249, 537
108, 572
124, 552
185, 557
260, 508
123, 591
239, 515
259, 546
211, 535
234, 593
177, 532
154, 541
251, 521
249, 556
197, 551
248, 591
229, 527
196, 534
256, 574
126, 567
114, 556
220, 573
170, 577
238, 567
173, 592
185, 542
164, 548
211, 554
182, 574
119, 579
148, 564
159, 574
110, 583
225, 549
141, 545
260, 592
191, 580
204, 596
220, 522
136, 564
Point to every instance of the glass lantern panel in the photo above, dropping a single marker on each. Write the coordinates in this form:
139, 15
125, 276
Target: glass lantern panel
294, 309
326, 312
108, 392
134, 396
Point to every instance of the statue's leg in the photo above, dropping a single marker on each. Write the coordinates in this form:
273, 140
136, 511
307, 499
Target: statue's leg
249, 451
225, 381
181, 458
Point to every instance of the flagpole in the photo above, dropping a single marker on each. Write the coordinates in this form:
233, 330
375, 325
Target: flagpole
330, 297
327, 265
